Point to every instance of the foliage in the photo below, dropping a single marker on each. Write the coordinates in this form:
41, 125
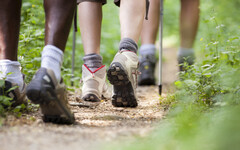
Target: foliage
5, 101
168, 101
7, 105
31, 39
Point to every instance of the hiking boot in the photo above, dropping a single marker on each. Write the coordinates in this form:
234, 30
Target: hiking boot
94, 84
146, 67
185, 61
13, 91
45, 90
122, 74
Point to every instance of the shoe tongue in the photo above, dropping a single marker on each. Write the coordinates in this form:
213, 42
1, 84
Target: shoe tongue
126, 50
94, 69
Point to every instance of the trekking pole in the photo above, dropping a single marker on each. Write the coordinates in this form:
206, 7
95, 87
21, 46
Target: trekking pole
160, 48
74, 44
73, 56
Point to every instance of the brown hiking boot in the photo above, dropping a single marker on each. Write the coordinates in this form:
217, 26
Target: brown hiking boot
13, 91
45, 90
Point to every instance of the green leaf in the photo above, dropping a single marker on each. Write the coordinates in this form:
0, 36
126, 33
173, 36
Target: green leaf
2, 83
178, 84
208, 75
12, 88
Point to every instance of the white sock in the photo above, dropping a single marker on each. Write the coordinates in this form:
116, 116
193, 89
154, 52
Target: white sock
147, 49
52, 58
11, 71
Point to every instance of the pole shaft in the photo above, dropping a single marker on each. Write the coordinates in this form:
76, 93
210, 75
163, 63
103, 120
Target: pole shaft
160, 46
74, 44
73, 54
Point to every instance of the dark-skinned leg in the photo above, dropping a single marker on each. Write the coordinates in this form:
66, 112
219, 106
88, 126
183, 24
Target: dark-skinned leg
46, 87
9, 28
59, 15
9, 34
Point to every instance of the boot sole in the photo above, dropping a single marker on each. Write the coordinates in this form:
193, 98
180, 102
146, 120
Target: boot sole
46, 96
91, 100
123, 91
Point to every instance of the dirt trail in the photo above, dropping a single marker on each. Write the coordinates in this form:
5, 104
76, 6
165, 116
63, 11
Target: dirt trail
94, 126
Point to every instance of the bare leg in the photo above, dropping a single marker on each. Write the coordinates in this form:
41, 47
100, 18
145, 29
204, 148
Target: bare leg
150, 26
46, 87
9, 28
189, 22
9, 33
131, 18
188, 29
59, 15
147, 50
90, 19
122, 73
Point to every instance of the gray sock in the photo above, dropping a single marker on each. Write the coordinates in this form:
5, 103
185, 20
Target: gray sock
128, 44
147, 49
93, 61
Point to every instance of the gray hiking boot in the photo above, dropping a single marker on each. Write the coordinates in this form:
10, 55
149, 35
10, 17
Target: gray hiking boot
122, 74
45, 90
147, 67
94, 84
13, 91
189, 60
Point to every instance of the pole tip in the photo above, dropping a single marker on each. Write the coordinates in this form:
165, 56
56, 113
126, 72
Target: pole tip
160, 89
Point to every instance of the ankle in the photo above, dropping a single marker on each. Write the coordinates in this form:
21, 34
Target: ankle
185, 52
93, 61
52, 58
147, 50
10, 71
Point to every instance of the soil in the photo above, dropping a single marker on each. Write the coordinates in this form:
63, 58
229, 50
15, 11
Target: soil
95, 126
